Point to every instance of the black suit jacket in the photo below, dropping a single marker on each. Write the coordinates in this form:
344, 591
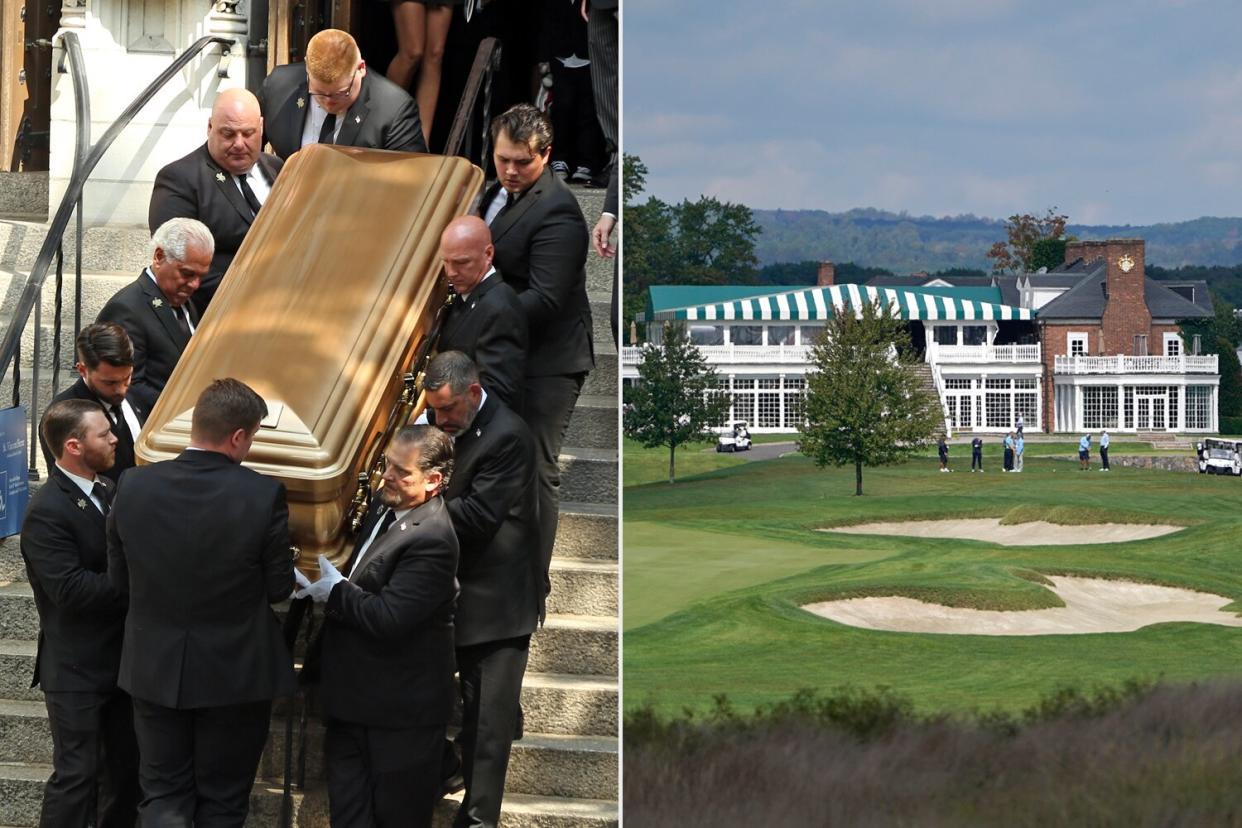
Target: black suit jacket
201, 546
541, 246
490, 327
143, 311
81, 615
493, 501
124, 440
387, 657
383, 117
194, 186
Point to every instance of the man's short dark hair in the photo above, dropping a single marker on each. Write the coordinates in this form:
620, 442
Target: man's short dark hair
451, 368
435, 449
524, 124
105, 342
225, 406
66, 420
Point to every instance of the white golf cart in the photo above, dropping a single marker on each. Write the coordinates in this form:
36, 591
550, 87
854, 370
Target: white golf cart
1218, 456
734, 437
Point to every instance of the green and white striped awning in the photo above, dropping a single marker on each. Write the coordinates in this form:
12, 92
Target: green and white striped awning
825, 302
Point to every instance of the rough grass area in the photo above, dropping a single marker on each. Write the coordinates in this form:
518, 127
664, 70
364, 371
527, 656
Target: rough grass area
717, 567
1130, 756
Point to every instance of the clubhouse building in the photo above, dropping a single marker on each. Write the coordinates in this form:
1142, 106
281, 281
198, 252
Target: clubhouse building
1093, 344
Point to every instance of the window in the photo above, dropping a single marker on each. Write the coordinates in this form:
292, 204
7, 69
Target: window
1198, 406
974, 335
780, 334
795, 397
1099, 407
707, 334
810, 333
957, 384
1077, 344
946, 334
1172, 345
746, 334
1140, 344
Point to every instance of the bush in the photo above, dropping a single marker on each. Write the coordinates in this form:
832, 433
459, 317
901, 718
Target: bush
1231, 425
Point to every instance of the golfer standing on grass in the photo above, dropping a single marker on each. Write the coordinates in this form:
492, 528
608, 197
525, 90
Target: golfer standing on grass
1084, 452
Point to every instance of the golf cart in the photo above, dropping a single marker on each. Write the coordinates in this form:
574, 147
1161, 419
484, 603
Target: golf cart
1218, 456
734, 437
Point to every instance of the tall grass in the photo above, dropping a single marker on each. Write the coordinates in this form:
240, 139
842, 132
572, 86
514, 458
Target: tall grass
1134, 755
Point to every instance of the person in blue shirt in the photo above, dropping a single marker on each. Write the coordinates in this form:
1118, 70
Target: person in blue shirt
1104, 451
1019, 445
1084, 453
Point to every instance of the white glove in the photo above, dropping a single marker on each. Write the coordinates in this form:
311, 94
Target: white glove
300, 582
319, 591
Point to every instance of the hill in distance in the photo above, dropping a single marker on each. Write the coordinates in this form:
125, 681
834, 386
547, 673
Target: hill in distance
902, 243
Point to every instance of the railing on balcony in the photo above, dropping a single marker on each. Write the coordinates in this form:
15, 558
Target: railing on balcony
983, 353
725, 354
1120, 364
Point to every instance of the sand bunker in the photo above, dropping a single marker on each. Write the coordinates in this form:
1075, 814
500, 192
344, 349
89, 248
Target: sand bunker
1036, 533
1092, 605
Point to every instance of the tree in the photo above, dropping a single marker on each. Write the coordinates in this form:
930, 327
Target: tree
1029, 238
675, 401
1218, 334
865, 404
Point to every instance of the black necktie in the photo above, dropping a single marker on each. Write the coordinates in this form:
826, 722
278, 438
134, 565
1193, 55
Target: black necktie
182, 320
248, 194
101, 493
327, 132
389, 518
122, 427
510, 200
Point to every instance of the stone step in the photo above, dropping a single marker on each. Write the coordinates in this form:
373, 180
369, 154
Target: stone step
21, 793
589, 474
567, 704
585, 531
17, 660
594, 422
541, 763
104, 248
18, 617
583, 587
23, 195
603, 377
575, 644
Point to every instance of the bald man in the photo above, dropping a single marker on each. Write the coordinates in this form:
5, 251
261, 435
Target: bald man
331, 98
485, 320
223, 183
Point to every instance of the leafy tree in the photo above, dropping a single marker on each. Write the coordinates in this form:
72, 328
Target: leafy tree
1025, 232
1218, 334
674, 401
865, 405
633, 177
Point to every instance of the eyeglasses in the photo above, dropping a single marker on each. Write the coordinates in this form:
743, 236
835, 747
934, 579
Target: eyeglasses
337, 96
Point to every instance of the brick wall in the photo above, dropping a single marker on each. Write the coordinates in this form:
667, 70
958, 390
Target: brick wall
1125, 314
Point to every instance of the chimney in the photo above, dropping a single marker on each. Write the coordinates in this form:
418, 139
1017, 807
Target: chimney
1088, 251
1125, 309
827, 275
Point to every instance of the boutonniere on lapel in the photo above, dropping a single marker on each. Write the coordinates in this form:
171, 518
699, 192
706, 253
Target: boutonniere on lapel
157, 303
357, 119
402, 527
301, 102
220, 177
82, 503
478, 432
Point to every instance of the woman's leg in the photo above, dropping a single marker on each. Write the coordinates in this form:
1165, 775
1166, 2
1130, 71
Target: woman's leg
428, 93
410, 21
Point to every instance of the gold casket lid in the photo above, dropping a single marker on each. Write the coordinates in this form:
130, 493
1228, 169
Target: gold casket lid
321, 311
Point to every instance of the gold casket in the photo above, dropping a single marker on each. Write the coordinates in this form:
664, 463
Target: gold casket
322, 312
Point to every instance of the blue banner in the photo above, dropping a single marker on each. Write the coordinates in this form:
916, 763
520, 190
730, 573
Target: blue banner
14, 483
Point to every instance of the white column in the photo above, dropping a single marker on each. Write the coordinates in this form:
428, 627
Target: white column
1121, 406
1213, 418
780, 395
1077, 408
1181, 403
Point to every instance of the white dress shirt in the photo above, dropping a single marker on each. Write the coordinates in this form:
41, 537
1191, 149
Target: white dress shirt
87, 486
314, 123
366, 547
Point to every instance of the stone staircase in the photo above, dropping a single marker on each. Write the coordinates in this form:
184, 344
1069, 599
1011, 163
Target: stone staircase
563, 773
928, 380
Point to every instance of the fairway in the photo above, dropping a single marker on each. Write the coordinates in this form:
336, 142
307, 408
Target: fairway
718, 566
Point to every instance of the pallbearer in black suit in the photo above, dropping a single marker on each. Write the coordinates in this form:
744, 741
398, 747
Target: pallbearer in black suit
333, 99
105, 368
485, 319
492, 501
223, 183
81, 622
541, 241
387, 644
201, 545
155, 310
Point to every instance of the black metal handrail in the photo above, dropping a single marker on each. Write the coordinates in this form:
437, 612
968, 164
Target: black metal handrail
86, 158
486, 62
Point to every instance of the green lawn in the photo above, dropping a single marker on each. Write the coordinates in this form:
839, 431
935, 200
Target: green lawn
717, 566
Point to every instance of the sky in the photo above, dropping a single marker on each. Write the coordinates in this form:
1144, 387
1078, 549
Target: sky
1123, 112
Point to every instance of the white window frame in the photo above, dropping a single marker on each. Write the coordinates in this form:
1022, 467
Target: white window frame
1170, 338
1076, 336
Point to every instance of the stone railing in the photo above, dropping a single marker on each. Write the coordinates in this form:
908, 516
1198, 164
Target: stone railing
726, 354
1120, 364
